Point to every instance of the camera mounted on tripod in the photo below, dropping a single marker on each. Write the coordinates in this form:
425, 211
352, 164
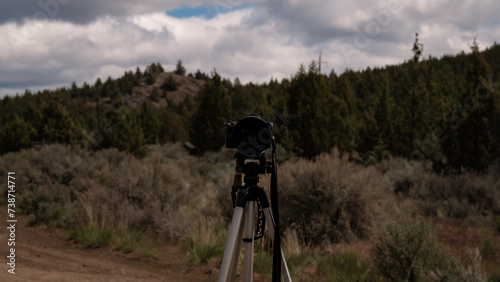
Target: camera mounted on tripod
251, 136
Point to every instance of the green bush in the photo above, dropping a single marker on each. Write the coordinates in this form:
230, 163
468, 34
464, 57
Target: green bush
200, 253
316, 265
204, 243
348, 266
127, 240
494, 278
495, 220
149, 250
91, 236
45, 208
409, 252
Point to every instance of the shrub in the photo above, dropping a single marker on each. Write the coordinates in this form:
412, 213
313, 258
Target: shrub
91, 236
149, 250
495, 221
45, 207
331, 199
207, 242
348, 266
409, 251
468, 271
319, 265
127, 240
494, 278
170, 84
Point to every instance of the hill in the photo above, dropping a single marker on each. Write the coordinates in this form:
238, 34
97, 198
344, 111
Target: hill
167, 87
443, 111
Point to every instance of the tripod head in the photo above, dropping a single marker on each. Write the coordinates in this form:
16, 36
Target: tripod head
251, 167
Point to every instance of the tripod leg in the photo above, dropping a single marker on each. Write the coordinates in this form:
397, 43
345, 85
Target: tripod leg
230, 258
249, 242
284, 268
234, 264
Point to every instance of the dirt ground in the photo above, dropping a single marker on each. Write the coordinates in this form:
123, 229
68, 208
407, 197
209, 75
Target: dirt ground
44, 254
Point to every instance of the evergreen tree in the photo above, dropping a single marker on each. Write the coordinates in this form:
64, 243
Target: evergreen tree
310, 100
227, 83
150, 123
126, 134
200, 75
342, 118
75, 91
207, 129
15, 135
236, 82
159, 68
152, 72
34, 116
376, 132
477, 130
138, 73
417, 49
415, 101
173, 128
58, 126
180, 69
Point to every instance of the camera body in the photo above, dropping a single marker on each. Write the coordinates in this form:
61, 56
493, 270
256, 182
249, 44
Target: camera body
251, 135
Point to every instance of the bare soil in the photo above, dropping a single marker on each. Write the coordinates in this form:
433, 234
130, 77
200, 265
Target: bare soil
45, 254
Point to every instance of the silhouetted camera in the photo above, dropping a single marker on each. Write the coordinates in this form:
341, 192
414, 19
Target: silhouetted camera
251, 135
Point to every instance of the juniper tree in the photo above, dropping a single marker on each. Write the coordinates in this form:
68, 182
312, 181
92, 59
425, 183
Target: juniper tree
207, 129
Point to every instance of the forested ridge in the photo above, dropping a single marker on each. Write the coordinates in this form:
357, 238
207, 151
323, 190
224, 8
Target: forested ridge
443, 110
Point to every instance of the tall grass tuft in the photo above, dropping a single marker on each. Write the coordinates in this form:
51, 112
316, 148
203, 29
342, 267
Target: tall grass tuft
205, 243
92, 236
127, 240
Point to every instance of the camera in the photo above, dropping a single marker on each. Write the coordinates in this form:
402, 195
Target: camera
251, 135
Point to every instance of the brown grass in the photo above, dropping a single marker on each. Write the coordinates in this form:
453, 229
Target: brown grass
329, 205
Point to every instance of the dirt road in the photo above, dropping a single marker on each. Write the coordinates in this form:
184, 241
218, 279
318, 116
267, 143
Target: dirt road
44, 254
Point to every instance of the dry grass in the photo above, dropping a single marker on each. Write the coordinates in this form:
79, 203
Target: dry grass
331, 209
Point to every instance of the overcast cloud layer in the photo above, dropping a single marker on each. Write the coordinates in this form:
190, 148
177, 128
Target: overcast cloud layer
51, 43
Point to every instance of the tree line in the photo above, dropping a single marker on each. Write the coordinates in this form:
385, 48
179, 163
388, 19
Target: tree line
442, 110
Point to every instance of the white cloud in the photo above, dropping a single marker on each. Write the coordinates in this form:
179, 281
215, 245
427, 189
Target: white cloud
266, 39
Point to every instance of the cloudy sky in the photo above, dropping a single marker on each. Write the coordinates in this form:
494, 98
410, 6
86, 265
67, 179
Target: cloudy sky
51, 43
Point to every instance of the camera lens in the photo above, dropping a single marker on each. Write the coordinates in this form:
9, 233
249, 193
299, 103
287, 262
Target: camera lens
252, 136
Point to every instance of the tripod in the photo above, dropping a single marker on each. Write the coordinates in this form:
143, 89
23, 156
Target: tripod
244, 199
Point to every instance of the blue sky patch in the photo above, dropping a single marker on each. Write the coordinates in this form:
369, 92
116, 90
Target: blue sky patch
208, 11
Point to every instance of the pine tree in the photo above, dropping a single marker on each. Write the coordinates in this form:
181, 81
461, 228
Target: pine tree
376, 132
15, 135
173, 128
58, 126
180, 69
138, 73
150, 123
207, 129
310, 99
236, 82
75, 91
416, 100
159, 68
126, 134
417, 49
476, 130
